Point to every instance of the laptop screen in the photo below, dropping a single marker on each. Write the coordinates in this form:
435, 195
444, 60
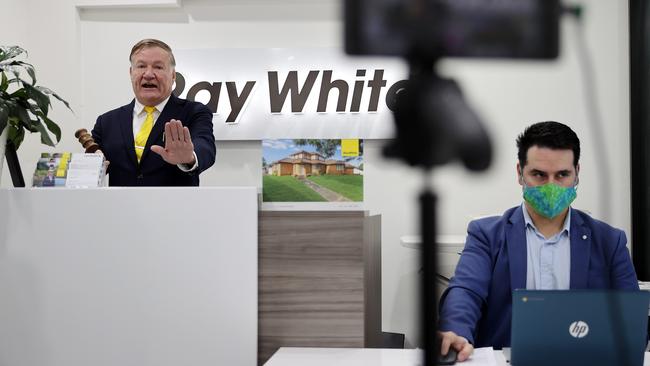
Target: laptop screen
579, 327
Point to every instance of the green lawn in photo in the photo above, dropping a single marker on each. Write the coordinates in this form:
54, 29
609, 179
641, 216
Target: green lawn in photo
287, 189
350, 186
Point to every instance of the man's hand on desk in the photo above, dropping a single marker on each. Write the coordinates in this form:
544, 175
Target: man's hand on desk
460, 344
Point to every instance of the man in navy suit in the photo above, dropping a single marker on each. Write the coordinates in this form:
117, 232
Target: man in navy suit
542, 244
157, 139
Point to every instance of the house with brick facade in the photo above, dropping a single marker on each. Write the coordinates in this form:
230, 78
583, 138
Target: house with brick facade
305, 163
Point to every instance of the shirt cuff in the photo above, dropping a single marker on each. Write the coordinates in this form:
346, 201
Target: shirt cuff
186, 167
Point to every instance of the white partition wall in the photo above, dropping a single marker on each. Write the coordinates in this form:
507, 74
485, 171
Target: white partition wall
152, 276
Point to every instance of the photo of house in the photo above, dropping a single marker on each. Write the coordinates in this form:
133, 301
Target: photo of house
311, 171
304, 163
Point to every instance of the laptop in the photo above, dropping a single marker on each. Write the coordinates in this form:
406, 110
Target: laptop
579, 327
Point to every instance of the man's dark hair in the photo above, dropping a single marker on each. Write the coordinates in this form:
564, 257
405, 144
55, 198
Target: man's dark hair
552, 135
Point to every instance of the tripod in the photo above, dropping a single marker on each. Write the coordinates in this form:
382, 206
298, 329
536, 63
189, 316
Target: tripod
434, 127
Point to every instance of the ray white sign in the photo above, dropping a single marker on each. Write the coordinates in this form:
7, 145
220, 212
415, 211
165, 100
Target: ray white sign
322, 93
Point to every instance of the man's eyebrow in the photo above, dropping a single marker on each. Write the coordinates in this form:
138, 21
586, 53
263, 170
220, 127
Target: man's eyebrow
563, 171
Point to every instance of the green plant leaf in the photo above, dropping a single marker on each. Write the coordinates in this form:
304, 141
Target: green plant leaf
4, 83
53, 127
15, 81
23, 116
10, 52
19, 94
12, 68
45, 137
37, 112
31, 72
63, 101
26, 107
42, 100
48, 91
16, 66
4, 115
18, 63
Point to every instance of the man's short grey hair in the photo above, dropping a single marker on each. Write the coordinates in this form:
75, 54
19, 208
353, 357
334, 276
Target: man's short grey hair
150, 42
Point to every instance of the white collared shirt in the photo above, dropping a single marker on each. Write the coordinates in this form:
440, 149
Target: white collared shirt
549, 260
139, 115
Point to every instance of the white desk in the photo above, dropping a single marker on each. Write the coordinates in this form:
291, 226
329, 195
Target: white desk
289, 356
292, 356
444, 243
128, 276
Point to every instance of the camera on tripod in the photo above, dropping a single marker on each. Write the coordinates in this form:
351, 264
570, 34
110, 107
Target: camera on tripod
434, 124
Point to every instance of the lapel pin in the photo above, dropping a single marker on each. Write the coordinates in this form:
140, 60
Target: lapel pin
584, 237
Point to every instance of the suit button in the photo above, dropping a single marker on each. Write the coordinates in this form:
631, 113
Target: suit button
140, 176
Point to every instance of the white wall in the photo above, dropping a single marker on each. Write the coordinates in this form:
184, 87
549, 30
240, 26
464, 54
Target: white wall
95, 41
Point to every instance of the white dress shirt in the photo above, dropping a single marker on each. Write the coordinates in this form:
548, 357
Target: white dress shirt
549, 260
139, 115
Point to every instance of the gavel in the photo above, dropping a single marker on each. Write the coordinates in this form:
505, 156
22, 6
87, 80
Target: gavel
86, 140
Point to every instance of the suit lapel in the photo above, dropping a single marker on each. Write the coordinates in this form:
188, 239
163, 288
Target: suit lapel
580, 251
517, 249
126, 125
170, 111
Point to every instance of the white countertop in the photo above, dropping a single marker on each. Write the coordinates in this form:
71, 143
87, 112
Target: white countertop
444, 242
294, 356
290, 356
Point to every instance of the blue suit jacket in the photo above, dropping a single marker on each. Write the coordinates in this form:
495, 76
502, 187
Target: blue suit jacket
113, 132
478, 302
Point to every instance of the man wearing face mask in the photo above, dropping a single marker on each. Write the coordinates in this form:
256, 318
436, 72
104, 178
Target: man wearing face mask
541, 244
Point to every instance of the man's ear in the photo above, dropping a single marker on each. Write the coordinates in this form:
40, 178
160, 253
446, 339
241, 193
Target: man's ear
578, 173
520, 177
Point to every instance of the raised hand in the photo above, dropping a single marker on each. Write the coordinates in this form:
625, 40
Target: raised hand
179, 148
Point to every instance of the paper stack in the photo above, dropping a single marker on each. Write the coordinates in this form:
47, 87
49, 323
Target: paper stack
85, 171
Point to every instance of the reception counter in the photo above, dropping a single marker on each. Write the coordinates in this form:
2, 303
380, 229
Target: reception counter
128, 276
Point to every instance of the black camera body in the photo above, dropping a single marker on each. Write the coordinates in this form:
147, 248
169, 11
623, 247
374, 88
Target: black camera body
522, 29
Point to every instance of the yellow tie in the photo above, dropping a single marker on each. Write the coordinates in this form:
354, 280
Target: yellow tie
143, 134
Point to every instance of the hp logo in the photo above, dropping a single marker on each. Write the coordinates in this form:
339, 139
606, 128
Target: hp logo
579, 329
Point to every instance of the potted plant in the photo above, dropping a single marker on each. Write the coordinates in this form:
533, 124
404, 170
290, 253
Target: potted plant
24, 106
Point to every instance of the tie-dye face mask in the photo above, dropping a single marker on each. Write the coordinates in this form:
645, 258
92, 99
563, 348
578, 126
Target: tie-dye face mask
550, 199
